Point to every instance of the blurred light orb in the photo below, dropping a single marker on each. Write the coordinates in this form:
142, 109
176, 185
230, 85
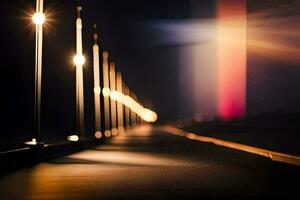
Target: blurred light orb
97, 90
38, 18
73, 138
79, 60
106, 92
114, 131
149, 115
98, 134
107, 133
114, 95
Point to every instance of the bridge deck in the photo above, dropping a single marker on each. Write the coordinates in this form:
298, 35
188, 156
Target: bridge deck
149, 163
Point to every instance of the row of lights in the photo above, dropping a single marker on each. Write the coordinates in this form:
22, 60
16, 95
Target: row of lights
79, 60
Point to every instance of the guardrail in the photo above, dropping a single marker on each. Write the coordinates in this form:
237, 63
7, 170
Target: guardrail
273, 155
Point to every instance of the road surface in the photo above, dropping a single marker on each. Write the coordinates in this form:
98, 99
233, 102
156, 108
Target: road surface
147, 163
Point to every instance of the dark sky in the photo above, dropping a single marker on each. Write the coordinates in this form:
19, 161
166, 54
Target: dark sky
151, 71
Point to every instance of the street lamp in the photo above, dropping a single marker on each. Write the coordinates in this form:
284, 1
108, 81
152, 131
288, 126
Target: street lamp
97, 89
79, 61
106, 92
38, 18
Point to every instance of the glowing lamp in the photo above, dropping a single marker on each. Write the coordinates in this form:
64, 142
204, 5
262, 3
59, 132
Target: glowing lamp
114, 95
79, 60
106, 92
98, 134
107, 133
97, 90
38, 18
73, 138
114, 131
149, 115
32, 142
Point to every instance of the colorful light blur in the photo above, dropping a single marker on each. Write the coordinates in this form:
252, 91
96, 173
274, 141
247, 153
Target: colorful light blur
231, 56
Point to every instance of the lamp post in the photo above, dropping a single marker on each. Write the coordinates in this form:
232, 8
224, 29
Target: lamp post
106, 93
127, 110
119, 104
97, 89
79, 61
38, 18
112, 79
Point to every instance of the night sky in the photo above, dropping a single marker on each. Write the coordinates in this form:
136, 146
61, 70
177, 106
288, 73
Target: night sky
149, 68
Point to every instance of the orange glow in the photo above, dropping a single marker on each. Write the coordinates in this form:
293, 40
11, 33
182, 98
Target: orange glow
232, 58
149, 115
114, 131
98, 134
107, 133
272, 35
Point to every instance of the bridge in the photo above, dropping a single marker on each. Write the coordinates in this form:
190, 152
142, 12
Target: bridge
120, 146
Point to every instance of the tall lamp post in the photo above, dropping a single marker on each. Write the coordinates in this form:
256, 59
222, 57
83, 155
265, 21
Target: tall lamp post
106, 93
39, 19
97, 89
119, 104
113, 109
79, 61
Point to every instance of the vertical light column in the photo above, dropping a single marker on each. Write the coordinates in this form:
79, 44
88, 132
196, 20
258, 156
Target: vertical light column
106, 92
132, 113
112, 79
38, 18
79, 60
127, 110
136, 115
232, 21
97, 89
119, 104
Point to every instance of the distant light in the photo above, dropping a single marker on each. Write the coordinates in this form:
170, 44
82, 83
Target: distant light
107, 133
114, 95
32, 142
106, 92
79, 60
121, 129
98, 134
73, 138
97, 90
38, 18
114, 131
149, 115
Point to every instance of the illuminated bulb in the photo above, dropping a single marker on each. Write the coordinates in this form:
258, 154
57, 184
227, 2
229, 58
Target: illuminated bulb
97, 90
38, 18
107, 133
149, 115
114, 95
106, 92
79, 60
98, 134
73, 138
114, 131
32, 142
